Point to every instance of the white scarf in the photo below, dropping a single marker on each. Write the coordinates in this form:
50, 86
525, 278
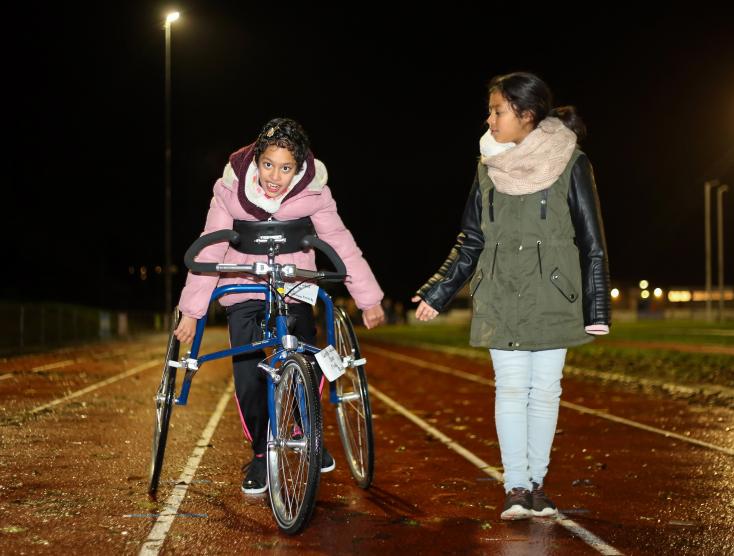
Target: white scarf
256, 194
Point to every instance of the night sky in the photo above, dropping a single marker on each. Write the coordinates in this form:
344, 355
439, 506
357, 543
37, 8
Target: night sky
394, 103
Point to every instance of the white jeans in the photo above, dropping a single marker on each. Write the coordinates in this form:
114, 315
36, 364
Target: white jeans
528, 393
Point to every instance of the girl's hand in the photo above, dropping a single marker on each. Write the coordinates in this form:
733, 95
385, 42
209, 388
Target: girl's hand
186, 329
374, 316
424, 311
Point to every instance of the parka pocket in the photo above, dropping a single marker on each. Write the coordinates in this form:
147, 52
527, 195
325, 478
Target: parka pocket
475, 281
494, 259
563, 285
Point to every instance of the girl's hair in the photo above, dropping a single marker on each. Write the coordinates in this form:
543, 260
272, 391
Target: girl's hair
284, 133
526, 92
571, 119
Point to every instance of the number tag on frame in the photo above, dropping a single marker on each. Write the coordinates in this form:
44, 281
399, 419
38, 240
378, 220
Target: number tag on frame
331, 363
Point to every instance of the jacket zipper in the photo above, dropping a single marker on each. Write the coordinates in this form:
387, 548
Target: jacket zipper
540, 262
494, 259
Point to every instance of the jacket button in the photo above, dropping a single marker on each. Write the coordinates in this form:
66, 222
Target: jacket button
519, 248
517, 344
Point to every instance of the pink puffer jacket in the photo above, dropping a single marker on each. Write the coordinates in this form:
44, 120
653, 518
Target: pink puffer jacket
314, 201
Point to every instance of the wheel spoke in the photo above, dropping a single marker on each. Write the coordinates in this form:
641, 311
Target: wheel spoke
353, 415
293, 477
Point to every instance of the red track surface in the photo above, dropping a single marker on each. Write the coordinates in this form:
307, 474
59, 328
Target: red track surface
71, 474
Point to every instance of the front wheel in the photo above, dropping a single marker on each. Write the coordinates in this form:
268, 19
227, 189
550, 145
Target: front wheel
353, 412
164, 399
294, 452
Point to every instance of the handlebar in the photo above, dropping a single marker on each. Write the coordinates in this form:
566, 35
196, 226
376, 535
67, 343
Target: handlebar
308, 242
205, 241
313, 242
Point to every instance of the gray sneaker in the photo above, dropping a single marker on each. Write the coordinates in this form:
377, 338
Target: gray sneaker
542, 505
518, 504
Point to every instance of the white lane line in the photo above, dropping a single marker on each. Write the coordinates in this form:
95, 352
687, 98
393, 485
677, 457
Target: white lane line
580, 408
670, 387
96, 386
157, 536
587, 536
57, 365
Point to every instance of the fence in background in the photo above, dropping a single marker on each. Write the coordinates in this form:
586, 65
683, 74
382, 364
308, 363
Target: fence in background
26, 327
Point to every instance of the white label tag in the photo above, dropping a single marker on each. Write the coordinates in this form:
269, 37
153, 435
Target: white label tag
331, 363
306, 291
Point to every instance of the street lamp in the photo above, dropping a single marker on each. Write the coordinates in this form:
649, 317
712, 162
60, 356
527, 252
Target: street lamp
170, 18
707, 223
720, 245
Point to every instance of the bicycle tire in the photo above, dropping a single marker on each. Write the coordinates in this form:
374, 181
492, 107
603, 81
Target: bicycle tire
353, 411
164, 399
294, 469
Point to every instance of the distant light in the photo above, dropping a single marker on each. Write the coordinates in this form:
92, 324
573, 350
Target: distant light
615, 293
701, 295
143, 273
658, 293
173, 16
644, 284
158, 270
679, 296
644, 294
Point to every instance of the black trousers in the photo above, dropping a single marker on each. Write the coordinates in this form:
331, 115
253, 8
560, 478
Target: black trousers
250, 382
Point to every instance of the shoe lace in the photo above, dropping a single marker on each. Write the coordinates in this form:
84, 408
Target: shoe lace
518, 493
538, 491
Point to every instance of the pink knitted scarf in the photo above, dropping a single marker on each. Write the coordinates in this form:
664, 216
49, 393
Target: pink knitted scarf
535, 163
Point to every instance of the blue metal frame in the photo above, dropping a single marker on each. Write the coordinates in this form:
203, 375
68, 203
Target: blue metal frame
270, 340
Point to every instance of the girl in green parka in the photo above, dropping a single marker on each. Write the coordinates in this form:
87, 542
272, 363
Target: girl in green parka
532, 241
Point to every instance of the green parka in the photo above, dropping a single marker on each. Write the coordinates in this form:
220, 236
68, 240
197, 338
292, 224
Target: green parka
539, 264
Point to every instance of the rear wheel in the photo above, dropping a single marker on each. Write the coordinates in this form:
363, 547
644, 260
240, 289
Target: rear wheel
294, 454
353, 412
164, 399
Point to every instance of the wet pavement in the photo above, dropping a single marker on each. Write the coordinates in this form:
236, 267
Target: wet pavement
73, 476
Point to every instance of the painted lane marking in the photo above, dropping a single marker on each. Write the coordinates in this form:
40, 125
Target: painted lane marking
159, 515
93, 387
587, 536
57, 365
41, 368
580, 408
570, 370
157, 536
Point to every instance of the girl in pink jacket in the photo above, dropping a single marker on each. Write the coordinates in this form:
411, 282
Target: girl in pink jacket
275, 177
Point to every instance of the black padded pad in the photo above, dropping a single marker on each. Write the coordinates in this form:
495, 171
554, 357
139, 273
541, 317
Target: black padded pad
292, 230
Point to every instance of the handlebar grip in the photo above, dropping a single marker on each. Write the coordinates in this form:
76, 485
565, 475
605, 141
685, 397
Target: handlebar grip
328, 250
204, 241
320, 275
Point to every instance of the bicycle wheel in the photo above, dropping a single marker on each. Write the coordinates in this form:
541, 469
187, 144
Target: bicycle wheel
353, 412
294, 455
164, 399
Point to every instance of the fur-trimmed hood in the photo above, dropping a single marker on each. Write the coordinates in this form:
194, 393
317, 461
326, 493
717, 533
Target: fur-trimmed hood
242, 168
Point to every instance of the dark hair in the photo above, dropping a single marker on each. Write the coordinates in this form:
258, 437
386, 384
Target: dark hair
571, 119
528, 93
284, 133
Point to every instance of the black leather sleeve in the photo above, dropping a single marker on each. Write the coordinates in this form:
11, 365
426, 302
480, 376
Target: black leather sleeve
586, 216
441, 288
